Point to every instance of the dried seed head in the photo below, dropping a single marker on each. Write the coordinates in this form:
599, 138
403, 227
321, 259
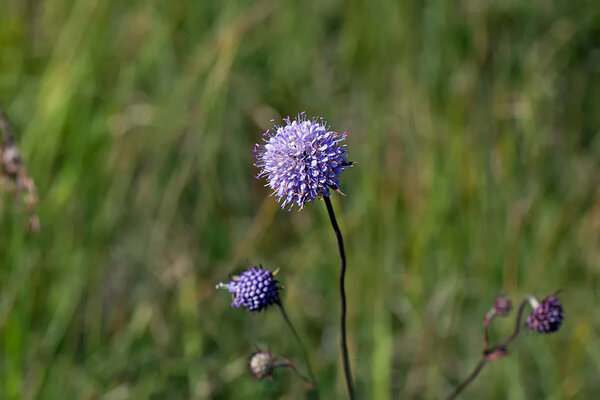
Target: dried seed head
261, 364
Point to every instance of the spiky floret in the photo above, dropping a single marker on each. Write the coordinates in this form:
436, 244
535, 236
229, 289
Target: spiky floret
255, 289
547, 316
301, 160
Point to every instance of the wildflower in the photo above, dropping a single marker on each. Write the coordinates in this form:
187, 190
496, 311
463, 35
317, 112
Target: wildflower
255, 289
261, 364
547, 315
301, 160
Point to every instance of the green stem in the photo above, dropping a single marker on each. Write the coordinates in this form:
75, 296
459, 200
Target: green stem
302, 348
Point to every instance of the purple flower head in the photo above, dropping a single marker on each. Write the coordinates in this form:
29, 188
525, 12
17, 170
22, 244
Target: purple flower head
547, 316
255, 289
301, 160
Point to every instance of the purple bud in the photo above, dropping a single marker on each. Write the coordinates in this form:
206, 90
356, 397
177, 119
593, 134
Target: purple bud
547, 317
255, 289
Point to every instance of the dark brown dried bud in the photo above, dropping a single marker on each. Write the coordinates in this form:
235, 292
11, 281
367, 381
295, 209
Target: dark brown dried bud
11, 159
497, 354
502, 306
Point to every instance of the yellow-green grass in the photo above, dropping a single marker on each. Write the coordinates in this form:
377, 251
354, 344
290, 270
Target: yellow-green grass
475, 127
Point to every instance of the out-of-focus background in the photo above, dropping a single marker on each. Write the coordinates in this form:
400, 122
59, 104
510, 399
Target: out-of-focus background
475, 125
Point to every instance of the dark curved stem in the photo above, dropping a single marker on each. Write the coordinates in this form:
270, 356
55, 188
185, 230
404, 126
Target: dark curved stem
469, 379
313, 381
344, 343
488, 353
515, 333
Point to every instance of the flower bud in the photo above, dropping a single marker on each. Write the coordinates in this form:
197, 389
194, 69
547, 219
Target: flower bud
547, 316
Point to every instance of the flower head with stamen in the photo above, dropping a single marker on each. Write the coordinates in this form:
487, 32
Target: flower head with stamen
255, 289
301, 160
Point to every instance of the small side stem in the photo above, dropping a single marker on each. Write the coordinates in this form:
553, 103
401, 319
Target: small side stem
487, 320
344, 342
302, 348
290, 365
515, 333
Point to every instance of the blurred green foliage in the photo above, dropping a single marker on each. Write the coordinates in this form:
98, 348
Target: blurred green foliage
475, 126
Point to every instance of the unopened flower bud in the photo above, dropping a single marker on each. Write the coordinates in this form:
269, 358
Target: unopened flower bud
502, 306
255, 289
547, 316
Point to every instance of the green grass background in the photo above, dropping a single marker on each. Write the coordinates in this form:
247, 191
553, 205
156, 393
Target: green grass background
475, 125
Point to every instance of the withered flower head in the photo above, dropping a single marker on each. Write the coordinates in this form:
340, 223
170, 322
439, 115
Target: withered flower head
261, 364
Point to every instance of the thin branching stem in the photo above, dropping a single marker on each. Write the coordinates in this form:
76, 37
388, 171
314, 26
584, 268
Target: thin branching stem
488, 352
515, 333
469, 378
290, 365
313, 381
344, 343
